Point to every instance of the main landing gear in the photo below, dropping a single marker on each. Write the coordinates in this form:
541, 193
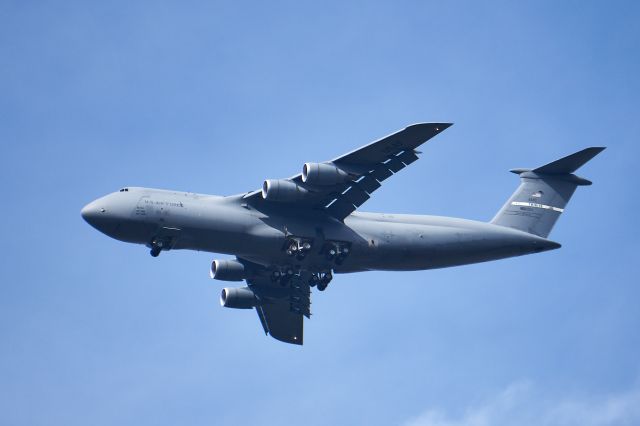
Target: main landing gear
336, 252
297, 247
282, 276
321, 280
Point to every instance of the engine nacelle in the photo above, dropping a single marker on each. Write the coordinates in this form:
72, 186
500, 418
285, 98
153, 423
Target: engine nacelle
238, 298
227, 270
282, 190
323, 174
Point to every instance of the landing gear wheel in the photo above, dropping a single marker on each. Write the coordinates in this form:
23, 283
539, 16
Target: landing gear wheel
286, 277
331, 254
314, 280
156, 247
324, 280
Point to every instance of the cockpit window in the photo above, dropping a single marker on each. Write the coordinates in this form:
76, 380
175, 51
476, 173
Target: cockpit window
124, 190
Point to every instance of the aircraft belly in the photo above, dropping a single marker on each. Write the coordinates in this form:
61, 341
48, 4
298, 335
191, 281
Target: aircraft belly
137, 232
401, 246
203, 226
270, 235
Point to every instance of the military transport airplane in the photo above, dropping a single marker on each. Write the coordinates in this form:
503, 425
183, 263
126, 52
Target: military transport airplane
294, 234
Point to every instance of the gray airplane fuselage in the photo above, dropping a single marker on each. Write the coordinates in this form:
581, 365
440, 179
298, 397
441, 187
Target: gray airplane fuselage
377, 241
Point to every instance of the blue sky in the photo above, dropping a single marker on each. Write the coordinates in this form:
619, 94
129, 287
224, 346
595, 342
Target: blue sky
215, 97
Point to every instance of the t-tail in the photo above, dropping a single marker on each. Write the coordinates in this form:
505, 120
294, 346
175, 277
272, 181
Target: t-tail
543, 194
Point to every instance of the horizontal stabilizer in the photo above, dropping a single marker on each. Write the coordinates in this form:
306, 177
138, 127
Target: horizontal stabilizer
570, 163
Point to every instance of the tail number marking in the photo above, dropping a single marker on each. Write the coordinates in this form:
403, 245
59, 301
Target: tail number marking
536, 205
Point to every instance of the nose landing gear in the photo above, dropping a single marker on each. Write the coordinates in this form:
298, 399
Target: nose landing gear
156, 248
157, 245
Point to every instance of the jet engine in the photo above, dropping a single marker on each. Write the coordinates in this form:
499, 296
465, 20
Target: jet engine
227, 270
323, 174
238, 298
282, 190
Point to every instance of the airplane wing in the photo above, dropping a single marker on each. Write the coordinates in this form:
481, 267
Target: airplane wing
282, 324
283, 309
362, 171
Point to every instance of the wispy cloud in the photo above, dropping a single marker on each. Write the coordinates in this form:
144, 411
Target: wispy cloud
523, 405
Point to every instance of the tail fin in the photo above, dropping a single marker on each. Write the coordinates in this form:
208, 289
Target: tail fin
543, 194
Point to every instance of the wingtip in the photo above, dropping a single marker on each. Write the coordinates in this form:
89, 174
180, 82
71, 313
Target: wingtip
293, 340
438, 126
595, 149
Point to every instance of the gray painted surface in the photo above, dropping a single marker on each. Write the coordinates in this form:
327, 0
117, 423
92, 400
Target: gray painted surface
284, 248
543, 194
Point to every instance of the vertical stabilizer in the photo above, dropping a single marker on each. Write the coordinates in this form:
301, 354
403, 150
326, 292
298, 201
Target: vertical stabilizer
544, 193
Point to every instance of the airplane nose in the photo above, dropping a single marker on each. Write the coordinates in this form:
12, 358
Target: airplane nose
98, 217
90, 213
